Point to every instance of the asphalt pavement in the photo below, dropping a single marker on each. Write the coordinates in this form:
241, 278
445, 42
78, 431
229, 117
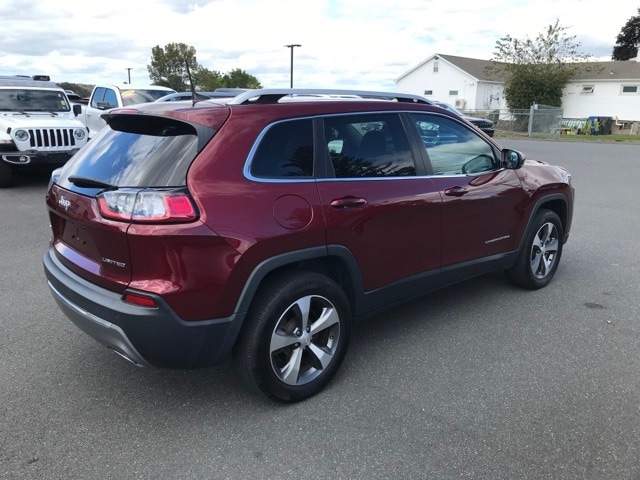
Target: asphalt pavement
480, 380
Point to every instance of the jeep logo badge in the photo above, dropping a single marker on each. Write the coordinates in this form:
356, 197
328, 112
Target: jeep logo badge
64, 203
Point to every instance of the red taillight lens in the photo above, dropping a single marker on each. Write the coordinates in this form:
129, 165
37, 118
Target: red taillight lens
147, 206
140, 300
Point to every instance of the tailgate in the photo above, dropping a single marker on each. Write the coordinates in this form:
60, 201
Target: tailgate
90, 246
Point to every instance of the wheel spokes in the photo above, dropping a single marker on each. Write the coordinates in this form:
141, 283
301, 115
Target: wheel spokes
543, 250
552, 246
303, 307
323, 357
536, 263
290, 373
281, 340
304, 340
328, 318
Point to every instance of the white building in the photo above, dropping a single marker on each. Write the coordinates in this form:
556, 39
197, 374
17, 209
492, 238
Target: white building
609, 89
605, 89
460, 81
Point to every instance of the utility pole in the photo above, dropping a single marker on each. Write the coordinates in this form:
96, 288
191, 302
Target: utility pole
129, 74
292, 46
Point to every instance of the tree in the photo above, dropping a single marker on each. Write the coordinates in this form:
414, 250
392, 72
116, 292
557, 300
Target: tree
237, 78
81, 89
536, 71
627, 40
168, 66
208, 80
168, 69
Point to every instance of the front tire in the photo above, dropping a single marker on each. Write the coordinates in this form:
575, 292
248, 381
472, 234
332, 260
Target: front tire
6, 175
539, 258
296, 336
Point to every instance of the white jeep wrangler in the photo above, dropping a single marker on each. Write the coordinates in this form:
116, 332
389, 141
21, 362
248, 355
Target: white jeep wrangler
38, 126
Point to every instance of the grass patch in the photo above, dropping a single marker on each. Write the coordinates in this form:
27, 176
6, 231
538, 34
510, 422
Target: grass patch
615, 138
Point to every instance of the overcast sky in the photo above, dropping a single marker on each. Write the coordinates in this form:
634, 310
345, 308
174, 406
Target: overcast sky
345, 43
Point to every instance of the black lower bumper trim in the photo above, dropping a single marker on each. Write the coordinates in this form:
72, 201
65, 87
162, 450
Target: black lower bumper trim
145, 336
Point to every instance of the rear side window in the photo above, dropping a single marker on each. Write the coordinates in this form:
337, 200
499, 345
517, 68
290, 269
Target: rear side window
372, 145
285, 151
137, 151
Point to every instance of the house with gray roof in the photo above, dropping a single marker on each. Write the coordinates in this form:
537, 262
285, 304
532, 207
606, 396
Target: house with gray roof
606, 89
459, 81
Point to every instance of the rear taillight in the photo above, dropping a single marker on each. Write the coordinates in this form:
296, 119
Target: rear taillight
147, 206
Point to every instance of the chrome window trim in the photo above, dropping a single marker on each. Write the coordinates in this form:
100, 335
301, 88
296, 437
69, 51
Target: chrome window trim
247, 165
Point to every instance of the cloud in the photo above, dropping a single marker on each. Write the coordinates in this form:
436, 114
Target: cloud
345, 43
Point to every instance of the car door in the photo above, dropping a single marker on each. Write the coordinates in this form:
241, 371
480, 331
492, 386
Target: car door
481, 200
377, 201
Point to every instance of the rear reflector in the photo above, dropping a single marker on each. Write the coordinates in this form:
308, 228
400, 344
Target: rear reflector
140, 300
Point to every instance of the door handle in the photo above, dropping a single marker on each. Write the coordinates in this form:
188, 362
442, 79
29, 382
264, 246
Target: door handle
348, 202
455, 191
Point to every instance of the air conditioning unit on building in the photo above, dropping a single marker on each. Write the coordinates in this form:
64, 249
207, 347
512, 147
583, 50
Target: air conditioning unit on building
460, 103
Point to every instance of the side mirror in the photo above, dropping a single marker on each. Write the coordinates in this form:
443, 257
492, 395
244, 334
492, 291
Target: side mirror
512, 159
105, 105
77, 109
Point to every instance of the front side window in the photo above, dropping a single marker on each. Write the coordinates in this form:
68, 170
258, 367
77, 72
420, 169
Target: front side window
453, 148
110, 98
372, 145
97, 97
285, 151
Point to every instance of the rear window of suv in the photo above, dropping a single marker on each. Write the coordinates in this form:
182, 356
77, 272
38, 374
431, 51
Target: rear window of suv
136, 152
285, 151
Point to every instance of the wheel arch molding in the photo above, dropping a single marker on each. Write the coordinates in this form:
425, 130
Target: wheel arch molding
556, 202
335, 261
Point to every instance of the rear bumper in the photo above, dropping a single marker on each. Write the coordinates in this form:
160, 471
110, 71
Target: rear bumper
145, 336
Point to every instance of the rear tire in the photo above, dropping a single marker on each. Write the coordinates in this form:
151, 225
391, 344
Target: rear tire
295, 337
540, 255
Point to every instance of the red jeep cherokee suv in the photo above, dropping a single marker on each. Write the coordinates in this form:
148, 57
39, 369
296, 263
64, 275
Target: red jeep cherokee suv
260, 226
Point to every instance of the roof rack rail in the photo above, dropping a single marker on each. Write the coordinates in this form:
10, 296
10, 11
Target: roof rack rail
267, 95
26, 81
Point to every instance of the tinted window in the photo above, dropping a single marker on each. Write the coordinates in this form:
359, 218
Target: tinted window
97, 97
110, 98
133, 97
453, 148
285, 151
373, 145
136, 152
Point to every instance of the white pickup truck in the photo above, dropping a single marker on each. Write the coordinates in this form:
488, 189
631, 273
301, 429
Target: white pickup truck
106, 97
38, 126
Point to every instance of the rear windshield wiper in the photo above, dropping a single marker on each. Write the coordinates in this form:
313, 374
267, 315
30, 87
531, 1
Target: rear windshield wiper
86, 182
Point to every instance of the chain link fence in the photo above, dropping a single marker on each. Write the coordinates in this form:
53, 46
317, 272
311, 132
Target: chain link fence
537, 120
